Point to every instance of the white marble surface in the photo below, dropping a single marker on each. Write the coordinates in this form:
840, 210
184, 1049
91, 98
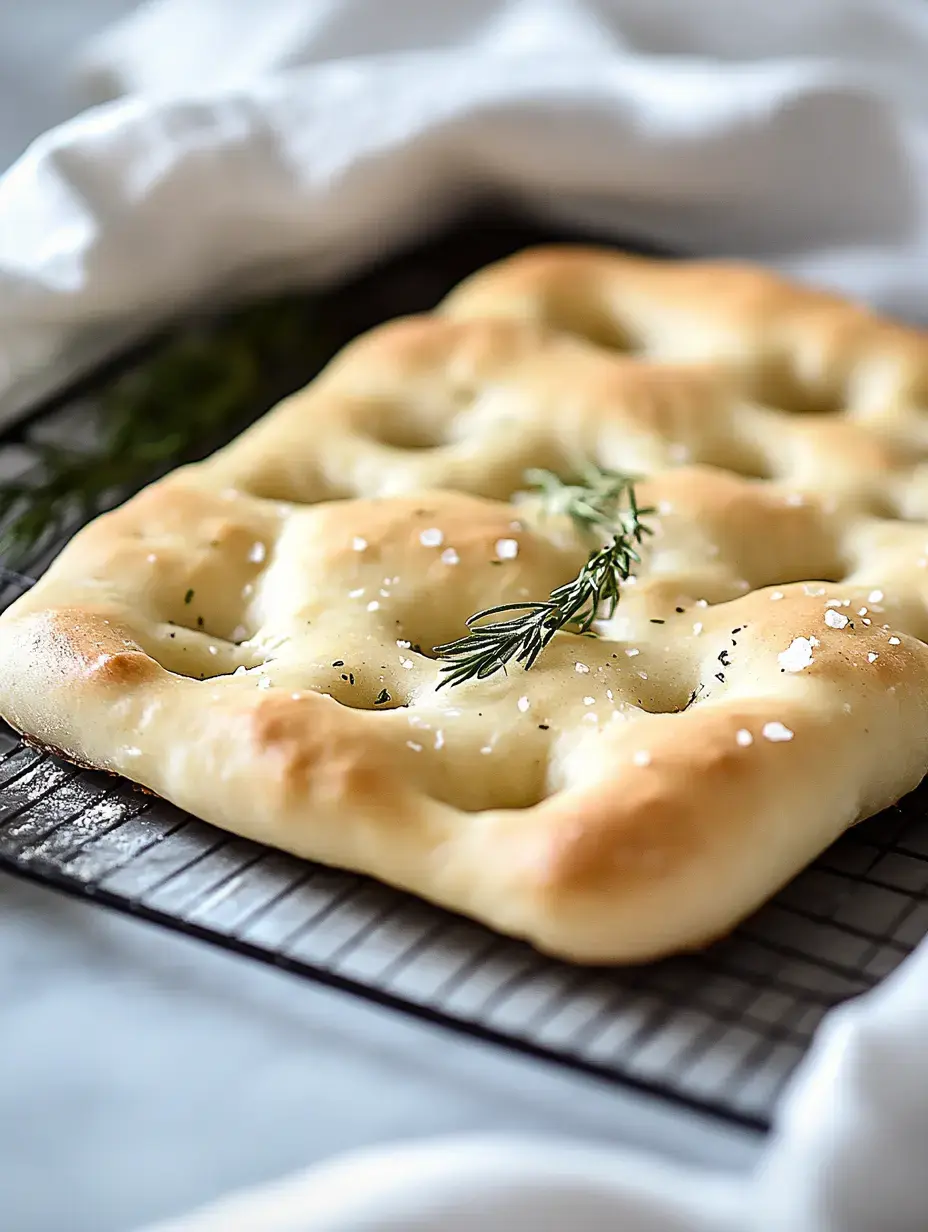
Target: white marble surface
141, 1072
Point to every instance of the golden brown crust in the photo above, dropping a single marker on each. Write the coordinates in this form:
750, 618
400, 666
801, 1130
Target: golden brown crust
251, 637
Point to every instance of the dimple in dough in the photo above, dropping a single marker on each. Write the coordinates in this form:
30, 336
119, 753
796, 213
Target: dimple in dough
251, 636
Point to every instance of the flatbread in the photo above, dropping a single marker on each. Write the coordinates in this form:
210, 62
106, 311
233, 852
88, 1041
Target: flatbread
252, 637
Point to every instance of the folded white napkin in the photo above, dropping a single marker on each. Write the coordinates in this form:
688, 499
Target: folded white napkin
288, 140
295, 138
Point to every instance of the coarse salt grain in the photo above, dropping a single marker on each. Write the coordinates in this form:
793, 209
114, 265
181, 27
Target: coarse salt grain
643, 675
402, 643
358, 543
872, 657
642, 758
835, 620
407, 663
798, 654
523, 703
264, 683
776, 732
213, 650
439, 739
257, 553
589, 701
239, 633
777, 594
507, 549
875, 596
581, 668
697, 628
416, 748
894, 641
432, 538
356, 594
632, 652
743, 737
450, 557
373, 605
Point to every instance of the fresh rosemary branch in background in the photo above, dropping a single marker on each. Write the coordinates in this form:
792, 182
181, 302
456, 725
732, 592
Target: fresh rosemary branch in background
194, 386
594, 504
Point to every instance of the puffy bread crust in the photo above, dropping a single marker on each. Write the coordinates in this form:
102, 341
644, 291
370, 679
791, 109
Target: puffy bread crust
251, 637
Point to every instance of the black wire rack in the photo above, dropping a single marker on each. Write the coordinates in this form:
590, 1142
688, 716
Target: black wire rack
720, 1031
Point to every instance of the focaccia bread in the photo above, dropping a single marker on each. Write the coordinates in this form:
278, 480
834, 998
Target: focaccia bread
253, 636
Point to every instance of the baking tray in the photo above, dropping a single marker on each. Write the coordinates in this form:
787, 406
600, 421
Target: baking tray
720, 1031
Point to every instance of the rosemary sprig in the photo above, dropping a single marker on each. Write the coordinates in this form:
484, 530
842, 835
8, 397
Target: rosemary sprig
595, 503
193, 387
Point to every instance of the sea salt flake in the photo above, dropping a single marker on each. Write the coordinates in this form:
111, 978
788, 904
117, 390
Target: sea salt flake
416, 748
373, 605
356, 594
432, 538
407, 663
894, 641
264, 683
450, 557
581, 668
632, 652
507, 549
776, 732
403, 645
589, 701
798, 655
872, 657
835, 620
875, 596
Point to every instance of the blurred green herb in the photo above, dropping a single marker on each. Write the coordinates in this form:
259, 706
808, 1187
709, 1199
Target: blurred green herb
195, 387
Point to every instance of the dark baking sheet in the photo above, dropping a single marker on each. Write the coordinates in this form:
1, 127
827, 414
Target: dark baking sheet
721, 1030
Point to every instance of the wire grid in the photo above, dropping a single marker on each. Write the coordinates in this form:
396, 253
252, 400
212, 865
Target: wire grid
720, 1031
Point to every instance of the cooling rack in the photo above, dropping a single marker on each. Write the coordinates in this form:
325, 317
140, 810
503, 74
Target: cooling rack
720, 1031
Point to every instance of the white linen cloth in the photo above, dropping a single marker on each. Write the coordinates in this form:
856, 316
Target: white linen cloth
249, 144
295, 138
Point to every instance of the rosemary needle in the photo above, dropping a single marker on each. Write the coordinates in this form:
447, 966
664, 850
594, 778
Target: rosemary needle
595, 503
